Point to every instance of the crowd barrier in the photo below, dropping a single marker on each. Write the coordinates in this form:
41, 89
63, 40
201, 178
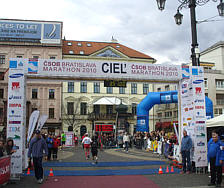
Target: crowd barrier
5, 169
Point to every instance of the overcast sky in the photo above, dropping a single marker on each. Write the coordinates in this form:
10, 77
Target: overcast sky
137, 24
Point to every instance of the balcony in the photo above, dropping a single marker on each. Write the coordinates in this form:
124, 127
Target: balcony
103, 116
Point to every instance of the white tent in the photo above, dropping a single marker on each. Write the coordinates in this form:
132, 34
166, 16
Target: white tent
108, 101
216, 122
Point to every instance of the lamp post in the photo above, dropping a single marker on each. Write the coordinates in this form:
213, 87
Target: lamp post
179, 17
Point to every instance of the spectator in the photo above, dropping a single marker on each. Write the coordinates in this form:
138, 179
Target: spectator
76, 140
63, 140
10, 148
49, 142
2, 148
215, 158
56, 144
37, 145
186, 145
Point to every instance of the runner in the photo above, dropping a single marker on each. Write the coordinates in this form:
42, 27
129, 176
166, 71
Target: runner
63, 140
94, 149
86, 141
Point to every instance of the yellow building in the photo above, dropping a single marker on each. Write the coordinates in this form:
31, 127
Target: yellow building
88, 106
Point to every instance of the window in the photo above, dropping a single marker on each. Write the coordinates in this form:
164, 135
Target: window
34, 93
52, 57
79, 44
96, 87
81, 52
122, 90
134, 108
133, 88
175, 113
51, 93
168, 114
70, 108
69, 44
51, 113
70, 87
167, 88
219, 99
109, 109
19, 56
1, 93
71, 52
88, 44
1, 113
145, 89
160, 115
96, 109
2, 59
206, 82
83, 87
158, 89
219, 83
35, 57
109, 90
218, 111
2, 75
83, 110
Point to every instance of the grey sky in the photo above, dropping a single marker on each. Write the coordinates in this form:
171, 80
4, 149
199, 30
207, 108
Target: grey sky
136, 24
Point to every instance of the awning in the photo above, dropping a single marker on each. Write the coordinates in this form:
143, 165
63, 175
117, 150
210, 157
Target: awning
108, 101
216, 122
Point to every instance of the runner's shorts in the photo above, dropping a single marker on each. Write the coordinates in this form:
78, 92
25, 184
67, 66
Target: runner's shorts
87, 146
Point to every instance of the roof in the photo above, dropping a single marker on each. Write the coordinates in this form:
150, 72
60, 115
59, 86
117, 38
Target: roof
220, 43
90, 47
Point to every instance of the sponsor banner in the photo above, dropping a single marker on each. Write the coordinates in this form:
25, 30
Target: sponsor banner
4, 169
69, 139
32, 123
16, 113
30, 31
193, 115
103, 69
41, 121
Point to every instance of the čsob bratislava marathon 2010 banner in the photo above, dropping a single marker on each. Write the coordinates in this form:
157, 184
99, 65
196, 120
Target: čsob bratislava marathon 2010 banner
19, 69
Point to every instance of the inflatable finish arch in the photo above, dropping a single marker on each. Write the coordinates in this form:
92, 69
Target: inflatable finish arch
165, 97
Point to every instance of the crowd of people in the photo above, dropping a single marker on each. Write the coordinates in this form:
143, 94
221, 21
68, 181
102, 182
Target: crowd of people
48, 145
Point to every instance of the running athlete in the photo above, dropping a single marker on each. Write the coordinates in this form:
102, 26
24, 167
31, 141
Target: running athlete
87, 141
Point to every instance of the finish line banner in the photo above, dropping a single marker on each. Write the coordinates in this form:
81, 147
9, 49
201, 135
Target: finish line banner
101, 69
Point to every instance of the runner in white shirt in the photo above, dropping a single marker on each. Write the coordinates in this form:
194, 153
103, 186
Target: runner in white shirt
87, 141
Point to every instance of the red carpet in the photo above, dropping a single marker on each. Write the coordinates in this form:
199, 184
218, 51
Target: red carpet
99, 182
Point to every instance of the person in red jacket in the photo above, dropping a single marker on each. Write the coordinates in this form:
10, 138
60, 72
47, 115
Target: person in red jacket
56, 144
76, 139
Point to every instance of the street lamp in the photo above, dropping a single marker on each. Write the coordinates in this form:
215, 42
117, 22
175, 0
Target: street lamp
179, 17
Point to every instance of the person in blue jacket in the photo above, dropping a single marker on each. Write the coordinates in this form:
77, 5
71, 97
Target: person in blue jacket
186, 145
215, 158
49, 142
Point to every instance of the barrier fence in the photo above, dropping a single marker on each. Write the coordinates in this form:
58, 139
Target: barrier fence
4, 169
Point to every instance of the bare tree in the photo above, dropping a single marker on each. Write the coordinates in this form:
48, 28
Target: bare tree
72, 120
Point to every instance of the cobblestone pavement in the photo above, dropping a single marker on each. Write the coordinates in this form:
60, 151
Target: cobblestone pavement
113, 155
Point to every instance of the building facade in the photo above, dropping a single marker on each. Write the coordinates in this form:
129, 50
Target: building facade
44, 96
89, 106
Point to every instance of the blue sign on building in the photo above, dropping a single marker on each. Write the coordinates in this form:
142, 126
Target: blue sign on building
27, 31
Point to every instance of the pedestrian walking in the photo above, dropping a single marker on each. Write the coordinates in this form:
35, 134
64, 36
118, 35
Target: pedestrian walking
94, 149
86, 141
186, 145
36, 148
215, 158
126, 140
